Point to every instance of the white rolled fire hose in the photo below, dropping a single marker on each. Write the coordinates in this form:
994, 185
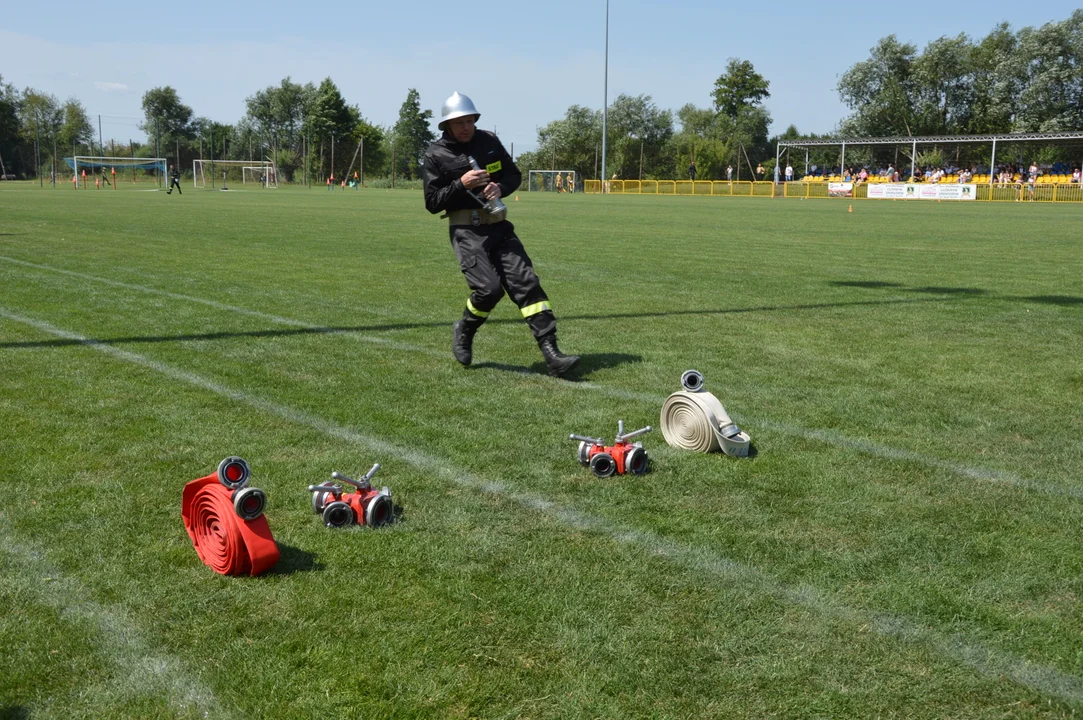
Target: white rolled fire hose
694, 419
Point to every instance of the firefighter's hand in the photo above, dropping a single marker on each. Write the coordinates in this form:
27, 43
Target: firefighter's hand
491, 191
475, 178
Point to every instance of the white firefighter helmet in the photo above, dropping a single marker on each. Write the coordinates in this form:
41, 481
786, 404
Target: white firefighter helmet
457, 106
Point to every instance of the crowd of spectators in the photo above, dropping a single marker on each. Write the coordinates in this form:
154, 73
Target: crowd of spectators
1005, 174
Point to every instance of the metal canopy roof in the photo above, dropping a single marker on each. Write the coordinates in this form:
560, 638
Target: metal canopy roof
910, 140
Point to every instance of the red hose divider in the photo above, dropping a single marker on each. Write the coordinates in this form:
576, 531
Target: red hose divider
225, 543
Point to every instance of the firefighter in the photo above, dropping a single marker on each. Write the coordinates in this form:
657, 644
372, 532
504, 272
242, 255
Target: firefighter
174, 180
491, 256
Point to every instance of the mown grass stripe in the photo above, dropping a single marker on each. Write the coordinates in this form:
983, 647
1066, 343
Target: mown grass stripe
829, 437
989, 662
142, 671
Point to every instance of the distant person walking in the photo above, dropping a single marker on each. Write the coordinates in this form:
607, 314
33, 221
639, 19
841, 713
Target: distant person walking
174, 180
692, 171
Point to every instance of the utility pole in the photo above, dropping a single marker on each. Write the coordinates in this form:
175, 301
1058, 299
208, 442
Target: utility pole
37, 150
605, 94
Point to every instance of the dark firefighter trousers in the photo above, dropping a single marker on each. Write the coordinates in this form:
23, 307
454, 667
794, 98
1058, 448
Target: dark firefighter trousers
494, 261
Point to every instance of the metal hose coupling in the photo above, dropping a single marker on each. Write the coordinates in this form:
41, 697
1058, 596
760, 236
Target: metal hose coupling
367, 506
617, 459
694, 419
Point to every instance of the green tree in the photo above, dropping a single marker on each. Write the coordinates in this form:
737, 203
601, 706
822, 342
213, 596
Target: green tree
742, 122
281, 109
166, 119
571, 143
993, 87
76, 130
374, 161
739, 88
10, 142
639, 135
41, 115
412, 135
706, 137
943, 86
1049, 65
331, 120
880, 91
40, 119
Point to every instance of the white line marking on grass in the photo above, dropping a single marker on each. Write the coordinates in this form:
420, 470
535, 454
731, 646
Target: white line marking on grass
278, 320
141, 672
988, 662
867, 447
825, 436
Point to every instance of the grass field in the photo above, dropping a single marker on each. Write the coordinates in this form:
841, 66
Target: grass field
904, 543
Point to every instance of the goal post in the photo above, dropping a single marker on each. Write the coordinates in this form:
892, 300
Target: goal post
553, 181
100, 164
260, 172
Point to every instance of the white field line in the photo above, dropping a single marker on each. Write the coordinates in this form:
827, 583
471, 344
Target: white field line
140, 670
990, 662
825, 436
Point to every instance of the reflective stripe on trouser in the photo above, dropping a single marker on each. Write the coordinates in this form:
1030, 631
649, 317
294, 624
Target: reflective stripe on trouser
494, 261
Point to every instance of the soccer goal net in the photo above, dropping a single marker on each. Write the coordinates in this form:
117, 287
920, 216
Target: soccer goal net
119, 168
553, 181
219, 173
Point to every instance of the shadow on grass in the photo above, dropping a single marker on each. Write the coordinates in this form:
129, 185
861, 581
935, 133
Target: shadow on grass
292, 560
1063, 300
587, 364
14, 712
390, 327
948, 291
871, 284
1056, 299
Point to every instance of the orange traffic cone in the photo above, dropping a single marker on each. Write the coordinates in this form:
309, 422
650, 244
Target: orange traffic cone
851, 209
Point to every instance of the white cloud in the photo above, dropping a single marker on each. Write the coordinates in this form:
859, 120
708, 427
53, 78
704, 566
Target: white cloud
110, 86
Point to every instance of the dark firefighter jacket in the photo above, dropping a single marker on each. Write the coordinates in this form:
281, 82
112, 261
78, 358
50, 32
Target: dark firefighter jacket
446, 162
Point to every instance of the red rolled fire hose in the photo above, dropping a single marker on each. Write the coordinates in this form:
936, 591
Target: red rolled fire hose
228, 544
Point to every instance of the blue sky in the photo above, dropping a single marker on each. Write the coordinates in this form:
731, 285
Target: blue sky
523, 64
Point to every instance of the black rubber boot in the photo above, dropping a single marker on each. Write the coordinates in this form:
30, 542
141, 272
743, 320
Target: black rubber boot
558, 362
462, 341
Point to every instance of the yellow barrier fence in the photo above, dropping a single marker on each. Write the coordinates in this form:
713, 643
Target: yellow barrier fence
1040, 192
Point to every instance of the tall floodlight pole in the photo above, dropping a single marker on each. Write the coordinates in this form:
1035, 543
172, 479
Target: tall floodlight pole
605, 96
37, 149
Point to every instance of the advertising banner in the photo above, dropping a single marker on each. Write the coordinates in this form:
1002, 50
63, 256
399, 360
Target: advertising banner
840, 189
915, 191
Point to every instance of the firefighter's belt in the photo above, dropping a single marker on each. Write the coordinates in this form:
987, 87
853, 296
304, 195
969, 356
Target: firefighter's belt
697, 421
225, 542
471, 217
